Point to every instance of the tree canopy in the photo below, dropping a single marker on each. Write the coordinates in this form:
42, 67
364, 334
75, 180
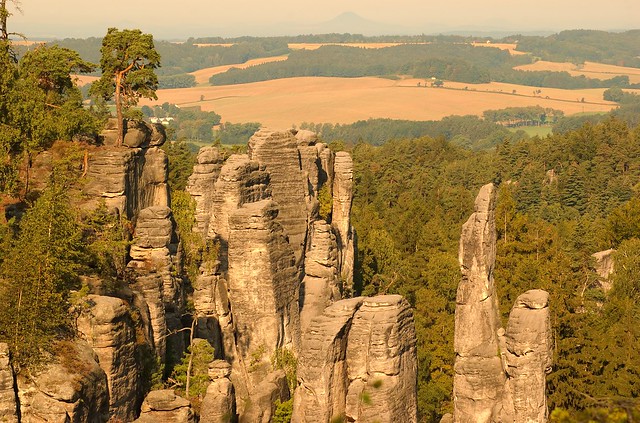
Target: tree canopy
128, 60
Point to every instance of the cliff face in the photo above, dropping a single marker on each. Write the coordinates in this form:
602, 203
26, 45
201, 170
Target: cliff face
279, 267
358, 362
499, 375
273, 295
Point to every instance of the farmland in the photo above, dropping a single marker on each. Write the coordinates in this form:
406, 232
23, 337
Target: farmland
284, 102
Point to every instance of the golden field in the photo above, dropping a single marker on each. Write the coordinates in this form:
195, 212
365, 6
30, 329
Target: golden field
588, 69
285, 102
203, 75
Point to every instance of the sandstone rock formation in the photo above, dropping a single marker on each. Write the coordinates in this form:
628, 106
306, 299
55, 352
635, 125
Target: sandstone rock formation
358, 361
263, 286
341, 215
106, 325
278, 152
499, 375
8, 404
164, 406
261, 405
72, 388
604, 268
219, 403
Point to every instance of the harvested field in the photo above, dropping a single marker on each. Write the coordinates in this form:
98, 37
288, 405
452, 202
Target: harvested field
511, 48
284, 102
203, 75
588, 69
315, 46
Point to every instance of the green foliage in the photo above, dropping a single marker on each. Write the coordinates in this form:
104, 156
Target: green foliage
181, 161
128, 59
38, 269
203, 354
284, 359
235, 133
466, 131
187, 123
283, 411
325, 198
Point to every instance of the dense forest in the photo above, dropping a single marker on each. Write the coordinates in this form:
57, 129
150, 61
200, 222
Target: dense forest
578, 46
449, 61
561, 199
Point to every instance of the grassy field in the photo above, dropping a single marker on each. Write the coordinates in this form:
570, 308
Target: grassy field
532, 131
285, 102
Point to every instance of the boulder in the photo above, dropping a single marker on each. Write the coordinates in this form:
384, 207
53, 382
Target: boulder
164, 406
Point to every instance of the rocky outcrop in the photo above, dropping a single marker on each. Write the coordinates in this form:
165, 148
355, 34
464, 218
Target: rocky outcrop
263, 287
129, 179
105, 323
479, 379
358, 362
74, 388
154, 264
499, 375
8, 404
278, 152
321, 285
164, 406
529, 354
204, 176
604, 267
260, 406
341, 215
219, 403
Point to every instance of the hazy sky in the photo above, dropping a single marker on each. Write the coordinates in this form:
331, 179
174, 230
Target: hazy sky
165, 19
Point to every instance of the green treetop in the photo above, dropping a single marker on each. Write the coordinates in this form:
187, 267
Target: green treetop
128, 62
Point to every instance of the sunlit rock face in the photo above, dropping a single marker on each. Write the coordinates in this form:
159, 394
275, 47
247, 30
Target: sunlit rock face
499, 375
358, 362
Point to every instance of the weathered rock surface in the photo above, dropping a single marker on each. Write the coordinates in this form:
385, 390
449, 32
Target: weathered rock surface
529, 355
200, 183
321, 285
164, 406
8, 404
341, 215
604, 268
130, 179
263, 286
499, 375
261, 405
358, 361
72, 390
106, 325
154, 261
219, 403
278, 152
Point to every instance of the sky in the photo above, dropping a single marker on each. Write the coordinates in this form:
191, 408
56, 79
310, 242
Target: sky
181, 19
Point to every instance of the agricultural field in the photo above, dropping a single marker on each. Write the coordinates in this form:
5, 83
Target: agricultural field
588, 69
285, 102
202, 75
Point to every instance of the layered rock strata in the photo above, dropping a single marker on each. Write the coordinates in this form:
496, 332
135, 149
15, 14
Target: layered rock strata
499, 375
263, 286
358, 362
129, 179
154, 263
105, 323
278, 152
